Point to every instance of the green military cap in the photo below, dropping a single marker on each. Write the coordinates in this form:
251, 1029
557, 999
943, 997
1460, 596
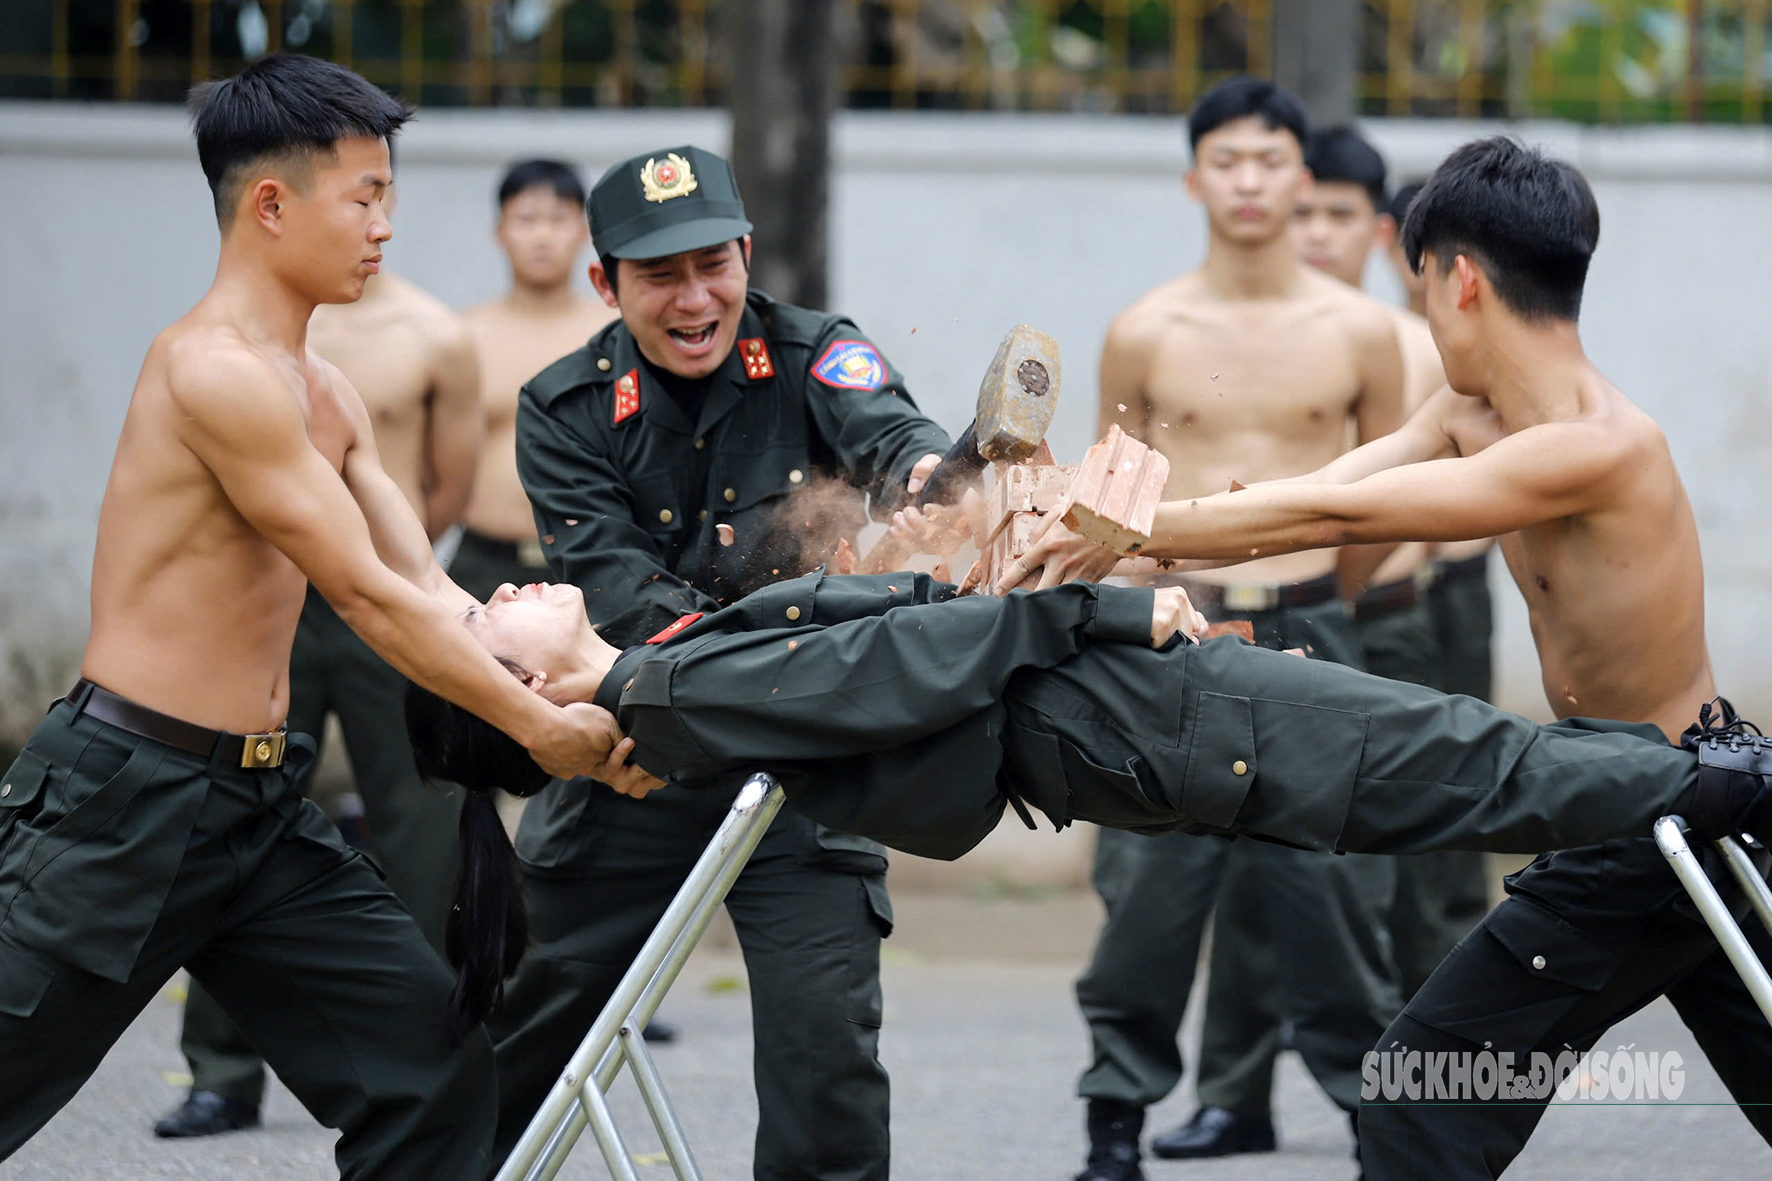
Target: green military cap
666, 202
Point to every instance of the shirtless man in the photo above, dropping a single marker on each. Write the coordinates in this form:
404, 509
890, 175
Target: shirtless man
412, 362
1463, 609
1339, 225
1223, 370
1531, 443
153, 819
542, 231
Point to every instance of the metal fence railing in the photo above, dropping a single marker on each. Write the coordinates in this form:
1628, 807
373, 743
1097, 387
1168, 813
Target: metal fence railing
1592, 60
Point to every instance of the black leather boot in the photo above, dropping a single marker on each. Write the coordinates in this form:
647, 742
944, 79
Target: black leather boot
1213, 1131
1114, 1128
204, 1113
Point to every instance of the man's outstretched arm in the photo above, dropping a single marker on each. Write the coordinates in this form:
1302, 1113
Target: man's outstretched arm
1540, 474
1407, 486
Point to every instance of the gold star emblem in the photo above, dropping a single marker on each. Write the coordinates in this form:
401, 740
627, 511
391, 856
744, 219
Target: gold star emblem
672, 178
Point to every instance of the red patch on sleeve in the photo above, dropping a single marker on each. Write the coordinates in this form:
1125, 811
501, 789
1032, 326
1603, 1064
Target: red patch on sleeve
757, 364
627, 396
676, 627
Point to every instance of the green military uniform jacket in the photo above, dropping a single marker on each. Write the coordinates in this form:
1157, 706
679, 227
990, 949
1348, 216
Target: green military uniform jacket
890, 708
627, 497
627, 491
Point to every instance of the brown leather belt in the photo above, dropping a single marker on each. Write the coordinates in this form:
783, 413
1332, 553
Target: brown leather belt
526, 553
1214, 600
1475, 566
1378, 601
244, 750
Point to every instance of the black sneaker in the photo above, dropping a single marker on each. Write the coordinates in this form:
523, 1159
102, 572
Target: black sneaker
1114, 1128
204, 1113
1213, 1131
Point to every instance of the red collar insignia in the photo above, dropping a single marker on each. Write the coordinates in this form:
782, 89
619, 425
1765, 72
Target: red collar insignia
627, 395
757, 364
676, 627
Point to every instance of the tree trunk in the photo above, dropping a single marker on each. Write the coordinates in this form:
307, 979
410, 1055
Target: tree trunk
1316, 48
784, 59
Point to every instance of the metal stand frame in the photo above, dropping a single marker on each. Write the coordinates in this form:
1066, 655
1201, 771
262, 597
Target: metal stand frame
577, 1099
1670, 834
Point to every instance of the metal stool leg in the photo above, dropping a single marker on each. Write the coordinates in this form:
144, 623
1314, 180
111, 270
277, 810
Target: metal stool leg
664, 1116
1670, 835
576, 1098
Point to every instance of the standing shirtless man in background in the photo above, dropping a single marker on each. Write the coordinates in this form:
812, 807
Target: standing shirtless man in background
542, 232
1253, 366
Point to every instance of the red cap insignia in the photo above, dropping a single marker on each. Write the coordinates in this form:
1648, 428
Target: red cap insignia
757, 364
676, 627
627, 395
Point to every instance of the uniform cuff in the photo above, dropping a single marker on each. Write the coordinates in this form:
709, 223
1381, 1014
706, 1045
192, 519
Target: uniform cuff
1123, 613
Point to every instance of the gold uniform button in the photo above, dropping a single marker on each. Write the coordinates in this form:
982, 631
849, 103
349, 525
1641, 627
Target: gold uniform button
795, 476
628, 686
603, 364
1239, 768
700, 443
731, 495
702, 515
793, 613
664, 515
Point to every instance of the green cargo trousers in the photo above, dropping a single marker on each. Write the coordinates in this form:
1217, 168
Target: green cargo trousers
412, 824
1438, 897
810, 910
122, 860
1328, 912
1464, 622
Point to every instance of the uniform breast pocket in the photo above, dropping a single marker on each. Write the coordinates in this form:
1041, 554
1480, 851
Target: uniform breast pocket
659, 507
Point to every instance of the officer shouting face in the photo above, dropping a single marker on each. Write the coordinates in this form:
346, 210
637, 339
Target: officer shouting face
673, 256
683, 309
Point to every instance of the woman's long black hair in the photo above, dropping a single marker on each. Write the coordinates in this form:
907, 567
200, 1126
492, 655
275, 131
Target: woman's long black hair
488, 927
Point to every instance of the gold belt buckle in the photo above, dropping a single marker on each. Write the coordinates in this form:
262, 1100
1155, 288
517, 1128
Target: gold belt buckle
529, 553
1243, 597
264, 750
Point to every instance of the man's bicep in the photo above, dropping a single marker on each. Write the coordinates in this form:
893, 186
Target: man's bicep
288, 492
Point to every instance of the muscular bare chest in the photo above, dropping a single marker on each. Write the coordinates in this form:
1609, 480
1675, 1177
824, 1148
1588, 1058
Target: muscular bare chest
514, 350
1269, 398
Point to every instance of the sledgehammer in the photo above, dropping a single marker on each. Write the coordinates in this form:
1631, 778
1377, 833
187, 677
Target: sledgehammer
1015, 405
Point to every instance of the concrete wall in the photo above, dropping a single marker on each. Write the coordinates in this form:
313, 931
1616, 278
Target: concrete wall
948, 229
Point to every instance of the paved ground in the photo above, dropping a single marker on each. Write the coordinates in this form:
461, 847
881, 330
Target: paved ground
983, 1050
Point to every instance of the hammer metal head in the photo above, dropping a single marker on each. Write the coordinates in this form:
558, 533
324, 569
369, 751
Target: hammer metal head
1018, 396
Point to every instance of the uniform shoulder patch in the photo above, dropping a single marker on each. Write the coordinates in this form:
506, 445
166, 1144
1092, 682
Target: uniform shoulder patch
674, 628
627, 395
757, 364
851, 365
